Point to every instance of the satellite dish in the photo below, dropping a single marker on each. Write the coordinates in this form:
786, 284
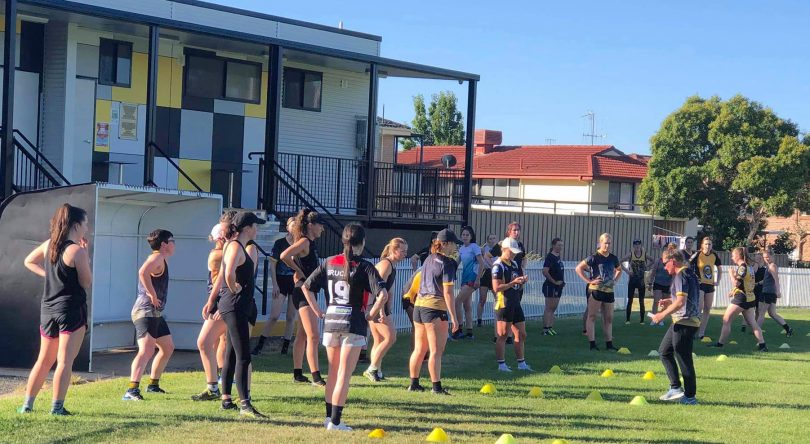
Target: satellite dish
449, 160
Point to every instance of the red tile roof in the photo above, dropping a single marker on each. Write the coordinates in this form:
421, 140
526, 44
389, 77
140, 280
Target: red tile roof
564, 162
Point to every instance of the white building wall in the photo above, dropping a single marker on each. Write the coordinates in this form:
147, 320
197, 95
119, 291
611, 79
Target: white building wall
558, 191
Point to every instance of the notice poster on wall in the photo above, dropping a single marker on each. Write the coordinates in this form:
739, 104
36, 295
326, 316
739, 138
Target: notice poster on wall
102, 134
128, 121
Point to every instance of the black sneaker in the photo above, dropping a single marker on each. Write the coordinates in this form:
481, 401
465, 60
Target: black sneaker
594, 348
154, 389
60, 412
742, 328
611, 348
228, 404
207, 395
440, 392
248, 411
478, 322
301, 379
469, 336
133, 395
789, 332
372, 376
715, 345
458, 334
319, 383
762, 348
415, 388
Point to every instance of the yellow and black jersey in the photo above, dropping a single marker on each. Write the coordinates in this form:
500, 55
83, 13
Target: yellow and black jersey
704, 266
745, 282
506, 271
412, 287
638, 265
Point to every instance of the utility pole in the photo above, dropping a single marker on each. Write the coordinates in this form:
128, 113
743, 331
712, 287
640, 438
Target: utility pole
591, 116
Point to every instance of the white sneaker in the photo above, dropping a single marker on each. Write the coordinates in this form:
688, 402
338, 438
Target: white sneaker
341, 427
524, 366
672, 395
653, 324
327, 421
504, 368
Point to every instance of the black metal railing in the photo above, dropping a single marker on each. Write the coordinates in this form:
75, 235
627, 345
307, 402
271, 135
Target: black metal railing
40, 158
32, 170
262, 289
175, 165
338, 183
418, 192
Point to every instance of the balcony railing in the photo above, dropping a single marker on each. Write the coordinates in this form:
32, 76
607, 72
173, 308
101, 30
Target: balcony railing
562, 207
404, 191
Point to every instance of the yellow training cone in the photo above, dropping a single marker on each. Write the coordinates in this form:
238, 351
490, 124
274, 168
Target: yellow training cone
555, 369
377, 433
784, 345
488, 389
437, 435
732, 342
506, 438
653, 354
594, 396
607, 373
560, 441
649, 376
624, 351
535, 392
722, 358
706, 340
639, 400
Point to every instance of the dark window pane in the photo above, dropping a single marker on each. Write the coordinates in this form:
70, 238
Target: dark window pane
614, 192
244, 81
293, 85
312, 90
204, 77
123, 68
106, 62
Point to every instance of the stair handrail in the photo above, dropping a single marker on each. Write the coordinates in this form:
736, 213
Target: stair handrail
39, 167
175, 165
41, 156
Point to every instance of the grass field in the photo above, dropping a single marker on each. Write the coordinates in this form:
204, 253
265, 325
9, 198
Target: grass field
748, 398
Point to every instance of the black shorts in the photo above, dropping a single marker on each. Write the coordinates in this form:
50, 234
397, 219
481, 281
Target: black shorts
659, 287
406, 304
298, 298
768, 298
552, 291
52, 325
603, 296
285, 284
156, 327
425, 315
707, 288
511, 313
486, 279
636, 284
740, 301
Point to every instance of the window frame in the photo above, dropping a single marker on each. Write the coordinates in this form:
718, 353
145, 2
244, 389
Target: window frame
192, 52
303, 73
619, 205
114, 82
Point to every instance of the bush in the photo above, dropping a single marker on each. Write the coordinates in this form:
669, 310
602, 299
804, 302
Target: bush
784, 243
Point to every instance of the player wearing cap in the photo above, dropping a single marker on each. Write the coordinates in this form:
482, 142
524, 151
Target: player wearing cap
433, 308
508, 280
639, 264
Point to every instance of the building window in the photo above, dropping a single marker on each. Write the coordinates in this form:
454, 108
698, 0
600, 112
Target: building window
302, 89
622, 196
115, 63
211, 77
509, 188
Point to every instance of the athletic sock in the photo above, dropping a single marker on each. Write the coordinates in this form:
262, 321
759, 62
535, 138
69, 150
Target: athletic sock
785, 327
593, 344
479, 322
213, 387
133, 385
58, 404
437, 386
608, 344
316, 376
29, 402
761, 345
521, 361
414, 382
298, 373
501, 362
469, 331
328, 409
155, 382
372, 369
337, 412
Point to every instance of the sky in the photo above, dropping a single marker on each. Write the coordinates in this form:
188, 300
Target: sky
545, 64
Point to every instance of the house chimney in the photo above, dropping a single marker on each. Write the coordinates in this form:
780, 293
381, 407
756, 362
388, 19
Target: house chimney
486, 141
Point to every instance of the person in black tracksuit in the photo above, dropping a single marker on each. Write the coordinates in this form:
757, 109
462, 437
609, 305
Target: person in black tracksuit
65, 264
238, 310
356, 295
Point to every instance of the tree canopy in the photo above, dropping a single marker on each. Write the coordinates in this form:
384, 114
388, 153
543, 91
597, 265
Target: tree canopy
731, 164
440, 124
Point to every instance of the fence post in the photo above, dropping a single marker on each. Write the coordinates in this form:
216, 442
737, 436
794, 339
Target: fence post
339, 182
789, 286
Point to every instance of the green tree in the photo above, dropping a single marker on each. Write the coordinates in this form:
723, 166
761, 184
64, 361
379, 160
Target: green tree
442, 124
731, 164
784, 243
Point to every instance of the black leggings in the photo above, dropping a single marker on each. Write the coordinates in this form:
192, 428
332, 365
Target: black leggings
677, 346
237, 354
631, 289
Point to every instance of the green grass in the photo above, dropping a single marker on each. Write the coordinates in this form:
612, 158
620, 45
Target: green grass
749, 398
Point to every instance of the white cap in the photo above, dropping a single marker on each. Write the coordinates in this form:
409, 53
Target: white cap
216, 232
511, 244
